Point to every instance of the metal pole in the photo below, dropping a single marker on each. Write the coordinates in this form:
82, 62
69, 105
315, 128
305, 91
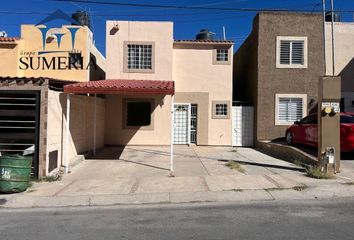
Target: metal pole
324, 35
171, 143
67, 134
224, 32
333, 53
94, 125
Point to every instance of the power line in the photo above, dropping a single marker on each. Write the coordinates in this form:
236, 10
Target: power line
191, 7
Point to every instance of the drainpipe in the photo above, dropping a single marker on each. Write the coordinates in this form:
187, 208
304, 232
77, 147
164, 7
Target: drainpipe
66, 162
324, 35
171, 143
94, 125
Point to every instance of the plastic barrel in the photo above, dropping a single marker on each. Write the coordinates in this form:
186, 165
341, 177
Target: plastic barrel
15, 173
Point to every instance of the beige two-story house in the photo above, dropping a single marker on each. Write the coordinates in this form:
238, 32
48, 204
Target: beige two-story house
150, 75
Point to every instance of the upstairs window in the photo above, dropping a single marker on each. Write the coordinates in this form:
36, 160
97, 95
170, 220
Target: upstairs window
221, 56
291, 52
139, 57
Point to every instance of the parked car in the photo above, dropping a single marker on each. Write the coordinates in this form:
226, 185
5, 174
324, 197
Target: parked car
305, 131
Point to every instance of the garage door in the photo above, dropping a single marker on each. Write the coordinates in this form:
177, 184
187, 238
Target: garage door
242, 126
19, 124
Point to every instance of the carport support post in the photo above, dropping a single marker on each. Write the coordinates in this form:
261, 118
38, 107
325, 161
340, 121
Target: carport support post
171, 142
94, 125
329, 123
66, 162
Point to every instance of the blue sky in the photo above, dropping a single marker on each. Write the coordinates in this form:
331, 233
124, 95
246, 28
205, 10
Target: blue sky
187, 23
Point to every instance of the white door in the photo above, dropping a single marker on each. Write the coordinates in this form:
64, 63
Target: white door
242, 126
181, 127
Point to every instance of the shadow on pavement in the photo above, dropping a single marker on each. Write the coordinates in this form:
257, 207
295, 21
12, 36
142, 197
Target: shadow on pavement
307, 149
345, 156
300, 169
144, 164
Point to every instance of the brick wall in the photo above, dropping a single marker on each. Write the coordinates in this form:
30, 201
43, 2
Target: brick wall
81, 125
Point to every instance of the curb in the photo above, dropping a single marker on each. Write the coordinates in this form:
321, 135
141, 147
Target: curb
318, 192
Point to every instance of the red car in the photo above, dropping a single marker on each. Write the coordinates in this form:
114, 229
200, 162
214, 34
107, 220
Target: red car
305, 131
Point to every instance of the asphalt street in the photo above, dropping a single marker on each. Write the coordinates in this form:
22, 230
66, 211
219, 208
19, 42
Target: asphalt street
330, 219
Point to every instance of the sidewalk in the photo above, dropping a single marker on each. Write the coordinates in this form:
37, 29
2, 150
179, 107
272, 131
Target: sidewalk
140, 175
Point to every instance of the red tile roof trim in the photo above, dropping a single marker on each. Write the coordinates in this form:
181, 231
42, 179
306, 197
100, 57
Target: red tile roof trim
118, 86
206, 41
8, 39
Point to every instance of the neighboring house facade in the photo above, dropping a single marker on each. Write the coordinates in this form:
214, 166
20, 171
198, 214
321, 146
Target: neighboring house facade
278, 68
202, 75
344, 59
33, 71
26, 56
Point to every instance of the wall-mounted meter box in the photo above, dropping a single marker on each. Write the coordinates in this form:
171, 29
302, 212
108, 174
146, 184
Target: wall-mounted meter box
329, 155
335, 107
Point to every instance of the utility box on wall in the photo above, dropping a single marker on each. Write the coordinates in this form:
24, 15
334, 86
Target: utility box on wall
329, 123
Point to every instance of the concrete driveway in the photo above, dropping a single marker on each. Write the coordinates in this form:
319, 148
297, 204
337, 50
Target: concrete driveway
133, 170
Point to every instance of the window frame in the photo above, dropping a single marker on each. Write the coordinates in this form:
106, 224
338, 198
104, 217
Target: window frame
125, 113
291, 38
125, 57
277, 122
215, 54
215, 116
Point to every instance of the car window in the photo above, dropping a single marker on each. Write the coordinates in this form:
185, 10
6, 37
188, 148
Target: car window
311, 119
346, 119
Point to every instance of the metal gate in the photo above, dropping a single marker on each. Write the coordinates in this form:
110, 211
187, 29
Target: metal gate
181, 126
194, 114
242, 126
19, 124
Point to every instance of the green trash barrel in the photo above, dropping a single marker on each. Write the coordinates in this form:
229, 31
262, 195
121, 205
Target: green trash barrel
15, 173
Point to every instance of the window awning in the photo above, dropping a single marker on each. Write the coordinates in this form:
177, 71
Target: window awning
120, 86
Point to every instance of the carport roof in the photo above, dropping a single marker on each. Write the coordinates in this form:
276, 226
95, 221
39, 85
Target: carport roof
122, 86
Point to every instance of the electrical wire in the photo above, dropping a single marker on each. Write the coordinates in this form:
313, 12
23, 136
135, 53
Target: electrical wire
232, 9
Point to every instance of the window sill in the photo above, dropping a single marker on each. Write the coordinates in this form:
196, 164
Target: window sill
293, 66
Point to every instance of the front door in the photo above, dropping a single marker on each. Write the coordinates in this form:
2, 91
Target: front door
181, 127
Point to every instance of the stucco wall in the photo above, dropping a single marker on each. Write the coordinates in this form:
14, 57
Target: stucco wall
245, 68
115, 134
161, 33
272, 80
344, 52
9, 53
194, 72
31, 42
81, 124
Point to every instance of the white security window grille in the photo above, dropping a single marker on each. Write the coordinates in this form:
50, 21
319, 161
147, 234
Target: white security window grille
292, 52
222, 55
139, 56
290, 110
221, 109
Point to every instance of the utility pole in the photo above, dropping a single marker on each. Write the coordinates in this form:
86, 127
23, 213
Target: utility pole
333, 50
329, 95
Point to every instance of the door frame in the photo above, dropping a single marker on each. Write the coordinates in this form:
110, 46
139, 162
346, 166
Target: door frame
188, 120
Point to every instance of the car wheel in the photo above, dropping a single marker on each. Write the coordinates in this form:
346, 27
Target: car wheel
289, 137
